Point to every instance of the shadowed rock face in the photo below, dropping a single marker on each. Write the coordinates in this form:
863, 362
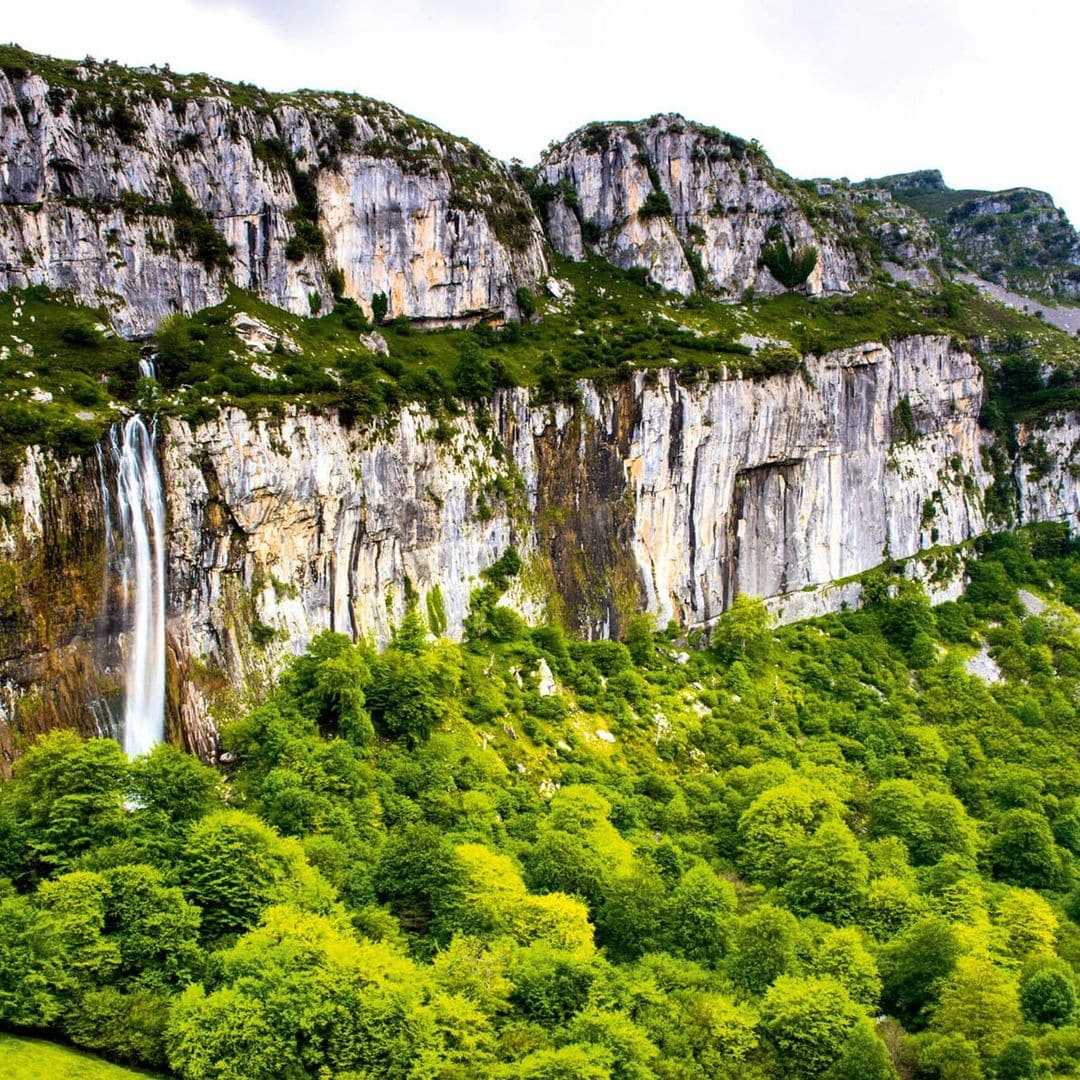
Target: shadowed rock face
404, 209
724, 196
654, 494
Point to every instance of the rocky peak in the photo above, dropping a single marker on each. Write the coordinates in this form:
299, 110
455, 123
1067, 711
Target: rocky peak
692, 205
1016, 238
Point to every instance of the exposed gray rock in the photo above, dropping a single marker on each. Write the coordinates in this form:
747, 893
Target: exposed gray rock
436, 225
725, 199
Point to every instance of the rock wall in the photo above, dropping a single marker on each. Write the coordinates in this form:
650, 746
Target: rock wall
111, 209
1047, 473
653, 495
725, 198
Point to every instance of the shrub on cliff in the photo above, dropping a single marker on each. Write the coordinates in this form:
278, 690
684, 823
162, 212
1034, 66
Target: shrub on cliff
790, 267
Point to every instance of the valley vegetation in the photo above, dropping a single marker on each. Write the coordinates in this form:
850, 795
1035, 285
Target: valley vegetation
824, 850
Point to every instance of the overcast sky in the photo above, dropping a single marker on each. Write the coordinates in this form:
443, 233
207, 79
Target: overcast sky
983, 90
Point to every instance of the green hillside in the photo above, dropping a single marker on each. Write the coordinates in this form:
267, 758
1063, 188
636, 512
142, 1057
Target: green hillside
820, 850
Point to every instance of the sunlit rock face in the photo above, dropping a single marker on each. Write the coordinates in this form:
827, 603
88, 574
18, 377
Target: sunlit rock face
682, 200
403, 209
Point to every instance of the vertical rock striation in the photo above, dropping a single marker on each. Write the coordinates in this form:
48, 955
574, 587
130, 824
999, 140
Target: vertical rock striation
153, 193
690, 204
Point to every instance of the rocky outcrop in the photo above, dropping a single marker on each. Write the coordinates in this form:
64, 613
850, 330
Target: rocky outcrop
1048, 470
1016, 238
149, 193
688, 203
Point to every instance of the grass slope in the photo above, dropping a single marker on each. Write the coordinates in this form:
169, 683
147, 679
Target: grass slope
36, 1059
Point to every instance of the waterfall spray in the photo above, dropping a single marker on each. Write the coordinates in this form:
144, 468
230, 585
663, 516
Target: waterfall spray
137, 547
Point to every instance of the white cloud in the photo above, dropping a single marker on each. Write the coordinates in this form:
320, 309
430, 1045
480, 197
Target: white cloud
978, 88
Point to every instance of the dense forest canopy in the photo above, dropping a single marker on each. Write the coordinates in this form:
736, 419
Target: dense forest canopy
824, 850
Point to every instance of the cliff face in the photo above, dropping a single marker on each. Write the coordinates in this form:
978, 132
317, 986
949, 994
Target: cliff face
683, 200
155, 194
657, 494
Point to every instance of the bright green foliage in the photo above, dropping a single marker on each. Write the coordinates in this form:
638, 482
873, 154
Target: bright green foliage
297, 992
829, 874
327, 684
863, 1057
765, 948
125, 1025
979, 1001
843, 956
71, 797
915, 966
34, 985
1028, 924
776, 827
234, 866
701, 917
567, 1063
809, 1022
742, 631
551, 985
427, 867
632, 1053
1023, 850
421, 877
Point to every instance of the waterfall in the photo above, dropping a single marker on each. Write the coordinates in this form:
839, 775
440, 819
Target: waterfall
136, 548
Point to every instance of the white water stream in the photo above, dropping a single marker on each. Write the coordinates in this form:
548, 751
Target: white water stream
136, 548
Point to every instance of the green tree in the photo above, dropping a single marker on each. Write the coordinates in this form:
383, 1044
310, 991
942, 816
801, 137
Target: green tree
979, 1001
766, 940
403, 696
915, 966
842, 955
809, 1022
68, 797
233, 866
572, 1062
422, 879
34, 985
863, 1057
1018, 1062
1023, 850
473, 375
299, 996
1048, 995
775, 827
742, 632
829, 875
155, 929
327, 684
701, 917
551, 985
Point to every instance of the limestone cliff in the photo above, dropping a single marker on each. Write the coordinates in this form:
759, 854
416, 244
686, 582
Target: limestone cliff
148, 193
657, 494
688, 203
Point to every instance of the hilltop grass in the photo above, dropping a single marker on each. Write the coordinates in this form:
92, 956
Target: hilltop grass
35, 1059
